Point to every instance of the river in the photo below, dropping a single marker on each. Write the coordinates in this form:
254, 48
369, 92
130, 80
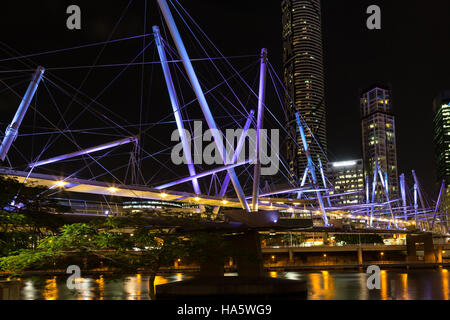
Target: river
322, 285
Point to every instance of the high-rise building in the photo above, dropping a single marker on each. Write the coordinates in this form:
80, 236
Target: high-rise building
347, 177
378, 139
441, 121
441, 139
304, 79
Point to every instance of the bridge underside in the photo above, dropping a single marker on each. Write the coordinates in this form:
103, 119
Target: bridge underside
140, 192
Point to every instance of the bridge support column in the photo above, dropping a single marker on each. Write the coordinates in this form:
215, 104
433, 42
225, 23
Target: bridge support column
439, 254
291, 255
411, 254
429, 254
360, 256
211, 269
427, 240
249, 258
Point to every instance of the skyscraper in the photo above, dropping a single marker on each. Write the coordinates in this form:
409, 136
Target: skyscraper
304, 79
441, 139
441, 121
378, 138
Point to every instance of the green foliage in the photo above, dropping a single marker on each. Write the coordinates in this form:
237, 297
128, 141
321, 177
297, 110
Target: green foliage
32, 197
27, 259
76, 237
101, 243
22, 227
32, 238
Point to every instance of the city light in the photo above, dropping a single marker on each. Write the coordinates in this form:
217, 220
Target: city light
163, 195
344, 164
113, 189
61, 184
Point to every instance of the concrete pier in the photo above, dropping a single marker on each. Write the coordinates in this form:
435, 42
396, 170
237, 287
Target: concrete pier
10, 290
247, 288
251, 282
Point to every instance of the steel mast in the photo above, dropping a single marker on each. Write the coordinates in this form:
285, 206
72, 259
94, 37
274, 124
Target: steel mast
13, 129
201, 97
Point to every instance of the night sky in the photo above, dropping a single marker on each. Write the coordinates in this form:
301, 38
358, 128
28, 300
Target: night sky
410, 53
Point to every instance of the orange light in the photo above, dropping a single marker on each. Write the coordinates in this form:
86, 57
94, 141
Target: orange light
224, 201
197, 199
113, 190
163, 195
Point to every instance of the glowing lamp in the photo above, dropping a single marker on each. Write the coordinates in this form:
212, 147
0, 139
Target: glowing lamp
60, 184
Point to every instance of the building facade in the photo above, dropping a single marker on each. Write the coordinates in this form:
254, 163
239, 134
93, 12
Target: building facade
379, 140
441, 139
304, 79
347, 177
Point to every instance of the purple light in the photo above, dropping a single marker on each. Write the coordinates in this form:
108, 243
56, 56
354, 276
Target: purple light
176, 108
84, 151
13, 129
203, 174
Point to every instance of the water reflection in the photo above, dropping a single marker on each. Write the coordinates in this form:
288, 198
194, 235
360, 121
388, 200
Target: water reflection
404, 288
384, 285
322, 285
445, 284
51, 289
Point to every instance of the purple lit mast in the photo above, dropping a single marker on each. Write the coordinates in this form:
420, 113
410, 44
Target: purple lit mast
302, 184
416, 206
201, 97
13, 128
403, 192
441, 192
105, 146
323, 178
386, 184
259, 124
311, 169
201, 175
176, 108
239, 146
374, 187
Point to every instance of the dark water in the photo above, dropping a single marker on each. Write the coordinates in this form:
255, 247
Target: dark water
322, 285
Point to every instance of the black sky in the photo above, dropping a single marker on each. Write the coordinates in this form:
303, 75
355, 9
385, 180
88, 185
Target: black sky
410, 53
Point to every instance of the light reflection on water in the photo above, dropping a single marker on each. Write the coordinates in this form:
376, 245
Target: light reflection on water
322, 285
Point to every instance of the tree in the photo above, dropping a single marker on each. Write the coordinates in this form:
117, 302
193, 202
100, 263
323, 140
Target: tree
101, 242
22, 222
